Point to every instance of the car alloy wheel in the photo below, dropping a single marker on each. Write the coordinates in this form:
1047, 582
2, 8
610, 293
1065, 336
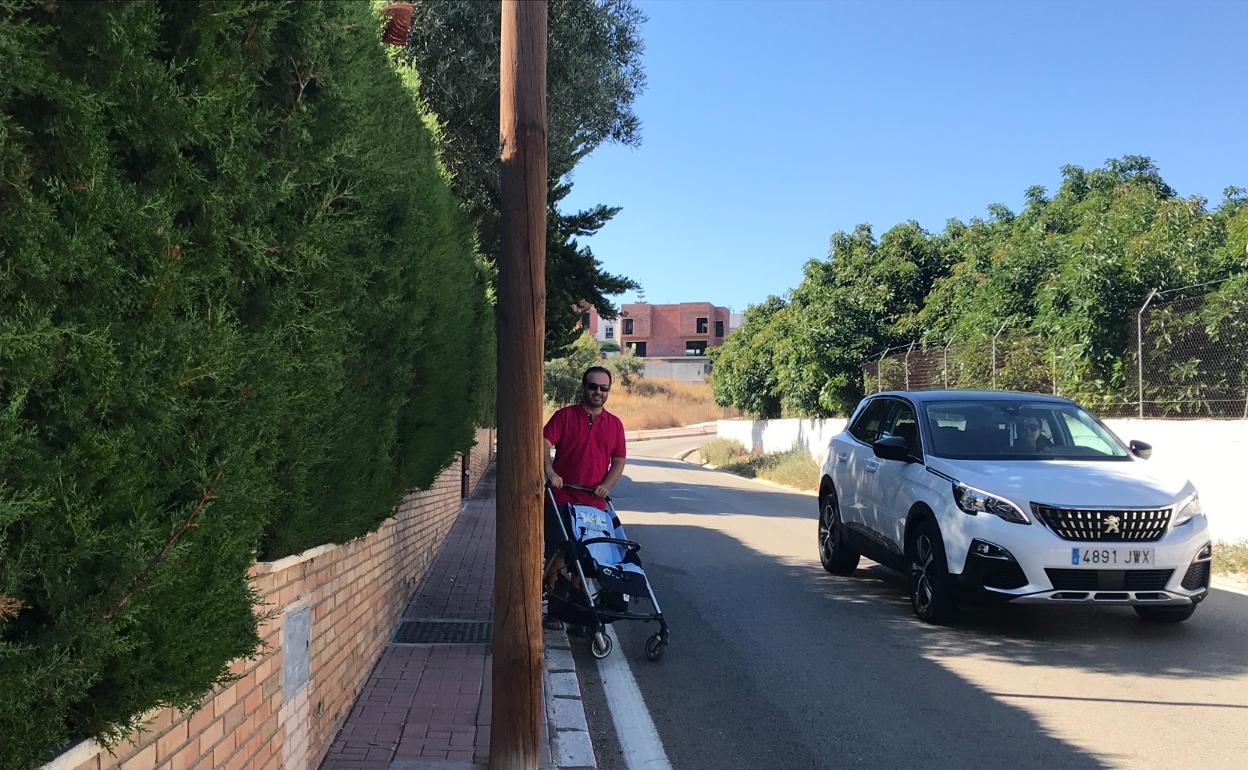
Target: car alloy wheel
827, 532
834, 553
926, 557
931, 593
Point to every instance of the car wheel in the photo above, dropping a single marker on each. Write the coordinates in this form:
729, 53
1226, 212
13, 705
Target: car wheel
931, 588
835, 553
1165, 614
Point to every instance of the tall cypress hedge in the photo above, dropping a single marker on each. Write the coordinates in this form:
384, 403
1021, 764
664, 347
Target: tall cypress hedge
240, 315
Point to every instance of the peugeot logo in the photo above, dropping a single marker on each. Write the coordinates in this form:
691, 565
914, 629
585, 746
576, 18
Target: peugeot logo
1113, 524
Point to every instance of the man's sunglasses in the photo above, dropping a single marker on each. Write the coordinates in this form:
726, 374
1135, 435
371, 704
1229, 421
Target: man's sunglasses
596, 386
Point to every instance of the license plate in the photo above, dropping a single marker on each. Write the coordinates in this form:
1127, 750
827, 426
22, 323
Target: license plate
1111, 557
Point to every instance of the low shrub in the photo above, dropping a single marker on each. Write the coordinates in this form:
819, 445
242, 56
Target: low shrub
793, 468
722, 451
1230, 557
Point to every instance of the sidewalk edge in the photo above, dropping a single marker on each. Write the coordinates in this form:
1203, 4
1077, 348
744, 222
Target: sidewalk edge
568, 728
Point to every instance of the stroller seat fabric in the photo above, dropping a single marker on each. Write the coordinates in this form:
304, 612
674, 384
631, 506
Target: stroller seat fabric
617, 569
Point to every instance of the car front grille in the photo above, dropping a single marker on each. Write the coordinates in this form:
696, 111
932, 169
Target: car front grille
1109, 579
1104, 526
1197, 576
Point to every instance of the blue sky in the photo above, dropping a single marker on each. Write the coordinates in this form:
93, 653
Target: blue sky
768, 126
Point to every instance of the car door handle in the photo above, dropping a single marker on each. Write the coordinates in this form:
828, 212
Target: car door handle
873, 466
842, 457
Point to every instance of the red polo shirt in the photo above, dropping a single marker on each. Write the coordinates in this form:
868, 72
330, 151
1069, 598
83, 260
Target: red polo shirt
583, 452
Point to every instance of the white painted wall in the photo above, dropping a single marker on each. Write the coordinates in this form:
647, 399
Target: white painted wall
686, 369
782, 435
1212, 454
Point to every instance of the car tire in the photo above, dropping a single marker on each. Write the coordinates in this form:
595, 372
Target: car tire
931, 588
835, 553
1165, 614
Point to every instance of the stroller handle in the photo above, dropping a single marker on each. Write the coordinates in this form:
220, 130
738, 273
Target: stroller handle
628, 545
577, 487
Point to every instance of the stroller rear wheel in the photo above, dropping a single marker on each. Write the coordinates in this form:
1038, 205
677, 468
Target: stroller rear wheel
600, 646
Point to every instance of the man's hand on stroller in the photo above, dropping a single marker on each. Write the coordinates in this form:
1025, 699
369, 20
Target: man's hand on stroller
602, 490
556, 481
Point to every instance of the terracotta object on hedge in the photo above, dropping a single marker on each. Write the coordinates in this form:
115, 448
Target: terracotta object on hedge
399, 24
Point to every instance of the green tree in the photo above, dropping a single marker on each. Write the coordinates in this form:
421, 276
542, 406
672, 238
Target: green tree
561, 377
626, 367
1071, 268
593, 76
743, 372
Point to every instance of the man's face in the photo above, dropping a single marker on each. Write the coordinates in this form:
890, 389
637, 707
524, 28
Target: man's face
594, 391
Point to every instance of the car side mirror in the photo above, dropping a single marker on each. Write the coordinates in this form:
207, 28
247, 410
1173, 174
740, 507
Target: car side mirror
893, 448
1141, 449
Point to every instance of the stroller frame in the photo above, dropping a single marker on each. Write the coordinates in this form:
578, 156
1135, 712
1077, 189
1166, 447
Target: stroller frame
574, 552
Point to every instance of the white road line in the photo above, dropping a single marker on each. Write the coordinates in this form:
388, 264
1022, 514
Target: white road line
639, 741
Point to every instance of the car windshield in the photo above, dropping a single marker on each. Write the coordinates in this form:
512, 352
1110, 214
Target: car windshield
1022, 429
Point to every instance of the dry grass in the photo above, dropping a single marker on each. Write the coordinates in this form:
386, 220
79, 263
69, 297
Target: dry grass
722, 451
661, 403
794, 468
1230, 557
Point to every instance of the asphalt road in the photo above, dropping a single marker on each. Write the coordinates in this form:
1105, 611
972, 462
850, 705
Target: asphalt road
776, 664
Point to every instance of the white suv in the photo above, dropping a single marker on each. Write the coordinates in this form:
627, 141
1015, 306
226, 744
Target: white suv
984, 495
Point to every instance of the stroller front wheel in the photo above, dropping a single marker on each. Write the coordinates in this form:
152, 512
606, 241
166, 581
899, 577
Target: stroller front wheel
655, 647
600, 646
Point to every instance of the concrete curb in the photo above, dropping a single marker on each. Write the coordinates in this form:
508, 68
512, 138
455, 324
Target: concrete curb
570, 744
646, 435
1229, 587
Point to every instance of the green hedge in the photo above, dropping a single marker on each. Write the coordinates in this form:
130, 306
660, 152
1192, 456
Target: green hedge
240, 315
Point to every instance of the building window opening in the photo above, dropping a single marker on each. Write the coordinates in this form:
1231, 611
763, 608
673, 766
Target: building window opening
695, 348
701, 326
610, 333
719, 328
628, 326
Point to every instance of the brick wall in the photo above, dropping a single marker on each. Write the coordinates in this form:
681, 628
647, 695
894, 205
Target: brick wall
666, 328
340, 603
481, 455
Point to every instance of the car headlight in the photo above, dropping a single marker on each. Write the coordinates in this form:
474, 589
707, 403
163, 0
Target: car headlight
972, 501
1190, 509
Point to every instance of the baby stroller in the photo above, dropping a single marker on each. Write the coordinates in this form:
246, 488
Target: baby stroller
591, 545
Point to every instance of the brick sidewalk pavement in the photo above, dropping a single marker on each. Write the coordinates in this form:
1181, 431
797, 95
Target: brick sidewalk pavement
428, 705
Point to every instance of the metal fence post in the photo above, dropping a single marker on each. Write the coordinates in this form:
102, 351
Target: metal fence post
879, 370
994, 352
907, 364
945, 372
1139, 350
1053, 357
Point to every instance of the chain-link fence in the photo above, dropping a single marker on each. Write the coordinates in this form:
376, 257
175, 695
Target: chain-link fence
1186, 358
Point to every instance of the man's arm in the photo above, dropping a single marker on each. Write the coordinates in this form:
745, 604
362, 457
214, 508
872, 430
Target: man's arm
555, 479
613, 475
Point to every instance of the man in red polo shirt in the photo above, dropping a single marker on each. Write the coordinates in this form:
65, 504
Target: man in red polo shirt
588, 442
589, 452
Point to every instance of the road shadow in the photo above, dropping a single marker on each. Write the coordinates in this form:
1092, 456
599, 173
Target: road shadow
1103, 639
793, 671
706, 497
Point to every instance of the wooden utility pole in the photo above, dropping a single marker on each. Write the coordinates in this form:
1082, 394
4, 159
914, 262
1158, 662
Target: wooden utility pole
516, 679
